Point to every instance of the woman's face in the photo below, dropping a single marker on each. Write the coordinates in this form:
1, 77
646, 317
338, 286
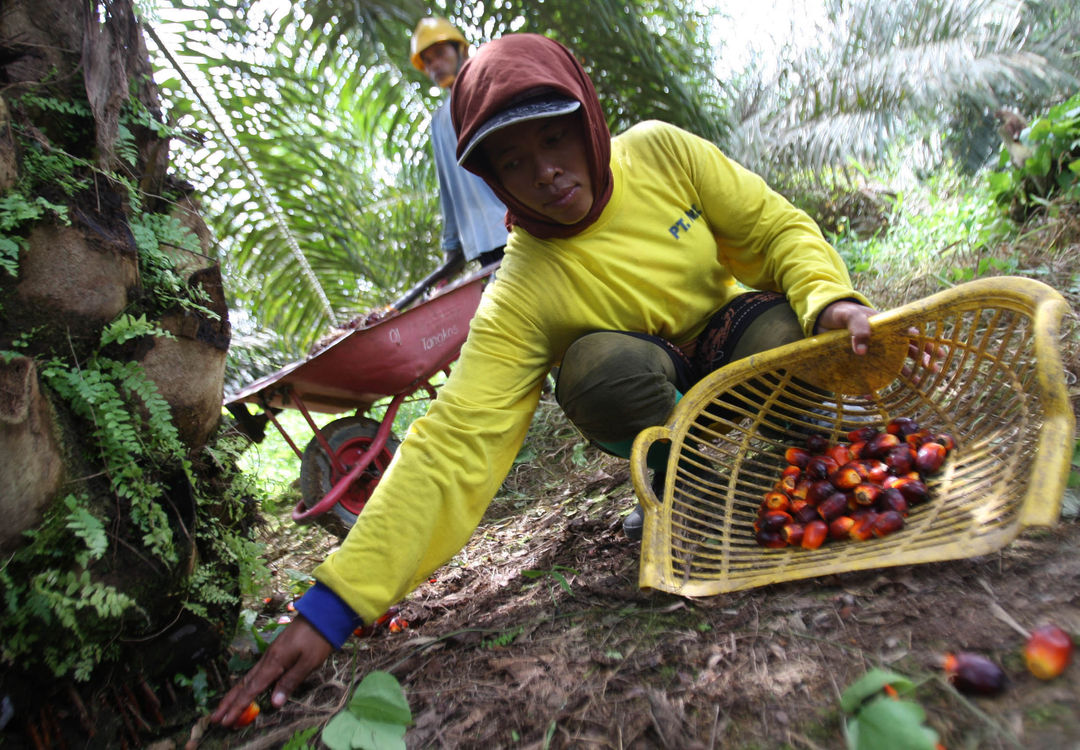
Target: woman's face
543, 164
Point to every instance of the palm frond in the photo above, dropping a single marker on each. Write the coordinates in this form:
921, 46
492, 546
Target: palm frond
898, 70
321, 97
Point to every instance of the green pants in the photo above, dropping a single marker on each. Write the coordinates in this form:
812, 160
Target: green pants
613, 384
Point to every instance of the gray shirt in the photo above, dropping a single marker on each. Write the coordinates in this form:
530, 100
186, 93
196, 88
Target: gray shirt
473, 218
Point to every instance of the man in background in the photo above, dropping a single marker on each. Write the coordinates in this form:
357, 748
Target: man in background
474, 225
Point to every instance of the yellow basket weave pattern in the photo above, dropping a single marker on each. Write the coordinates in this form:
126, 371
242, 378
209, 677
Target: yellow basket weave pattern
996, 384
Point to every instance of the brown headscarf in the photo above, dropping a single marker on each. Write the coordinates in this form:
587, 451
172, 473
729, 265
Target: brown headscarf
507, 71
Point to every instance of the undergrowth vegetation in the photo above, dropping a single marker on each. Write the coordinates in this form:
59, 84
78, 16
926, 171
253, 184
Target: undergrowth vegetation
146, 522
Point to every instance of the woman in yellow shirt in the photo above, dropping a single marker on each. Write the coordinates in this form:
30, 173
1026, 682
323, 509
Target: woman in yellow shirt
639, 263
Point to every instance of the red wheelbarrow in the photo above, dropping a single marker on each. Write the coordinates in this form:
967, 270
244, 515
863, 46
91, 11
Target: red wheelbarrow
391, 355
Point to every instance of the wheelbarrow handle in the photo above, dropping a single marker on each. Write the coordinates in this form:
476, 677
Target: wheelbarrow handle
452, 265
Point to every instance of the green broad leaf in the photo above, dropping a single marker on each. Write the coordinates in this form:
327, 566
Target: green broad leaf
1000, 181
1074, 167
338, 732
872, 683
379, 735
1039, 164
299, 740
1039, 129
379, 698
890, 724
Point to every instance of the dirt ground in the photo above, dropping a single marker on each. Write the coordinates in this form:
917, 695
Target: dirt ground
536, 635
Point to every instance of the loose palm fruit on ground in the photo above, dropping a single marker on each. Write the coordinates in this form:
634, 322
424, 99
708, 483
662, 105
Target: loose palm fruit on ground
814, 534
974, 674
248, 715
1048, 651
397, 624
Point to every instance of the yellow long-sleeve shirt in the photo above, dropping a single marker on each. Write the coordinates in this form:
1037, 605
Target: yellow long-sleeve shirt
684, 227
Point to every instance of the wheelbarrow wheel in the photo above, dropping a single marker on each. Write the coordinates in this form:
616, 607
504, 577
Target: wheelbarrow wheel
349, 438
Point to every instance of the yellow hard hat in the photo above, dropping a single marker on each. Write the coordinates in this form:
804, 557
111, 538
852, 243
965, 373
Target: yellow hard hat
432, 31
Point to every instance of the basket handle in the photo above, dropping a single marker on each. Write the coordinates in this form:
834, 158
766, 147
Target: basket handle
1042, 505
639, 468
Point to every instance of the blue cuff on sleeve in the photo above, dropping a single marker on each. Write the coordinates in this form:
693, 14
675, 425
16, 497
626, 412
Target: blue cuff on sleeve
329, 614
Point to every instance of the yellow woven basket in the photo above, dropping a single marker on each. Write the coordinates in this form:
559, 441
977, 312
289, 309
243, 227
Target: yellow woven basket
997, 385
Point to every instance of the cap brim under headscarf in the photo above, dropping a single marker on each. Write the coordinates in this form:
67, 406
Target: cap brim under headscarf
541, 107
507, 71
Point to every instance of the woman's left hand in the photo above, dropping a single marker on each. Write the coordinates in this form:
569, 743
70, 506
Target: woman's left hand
852, 316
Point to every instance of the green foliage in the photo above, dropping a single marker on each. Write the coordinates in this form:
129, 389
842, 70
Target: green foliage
231, 556
879, 719
555, 573
920, 74
503, 639
332, 122
299, 739
53, 168
1051, 168
198, 684
17, 211
56, 612
940, 226
127, 327
87, 527
73, 591
51, 601
299, 581
102, 393
66, 108
57, 598
264, 635
154, 233
376, 718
